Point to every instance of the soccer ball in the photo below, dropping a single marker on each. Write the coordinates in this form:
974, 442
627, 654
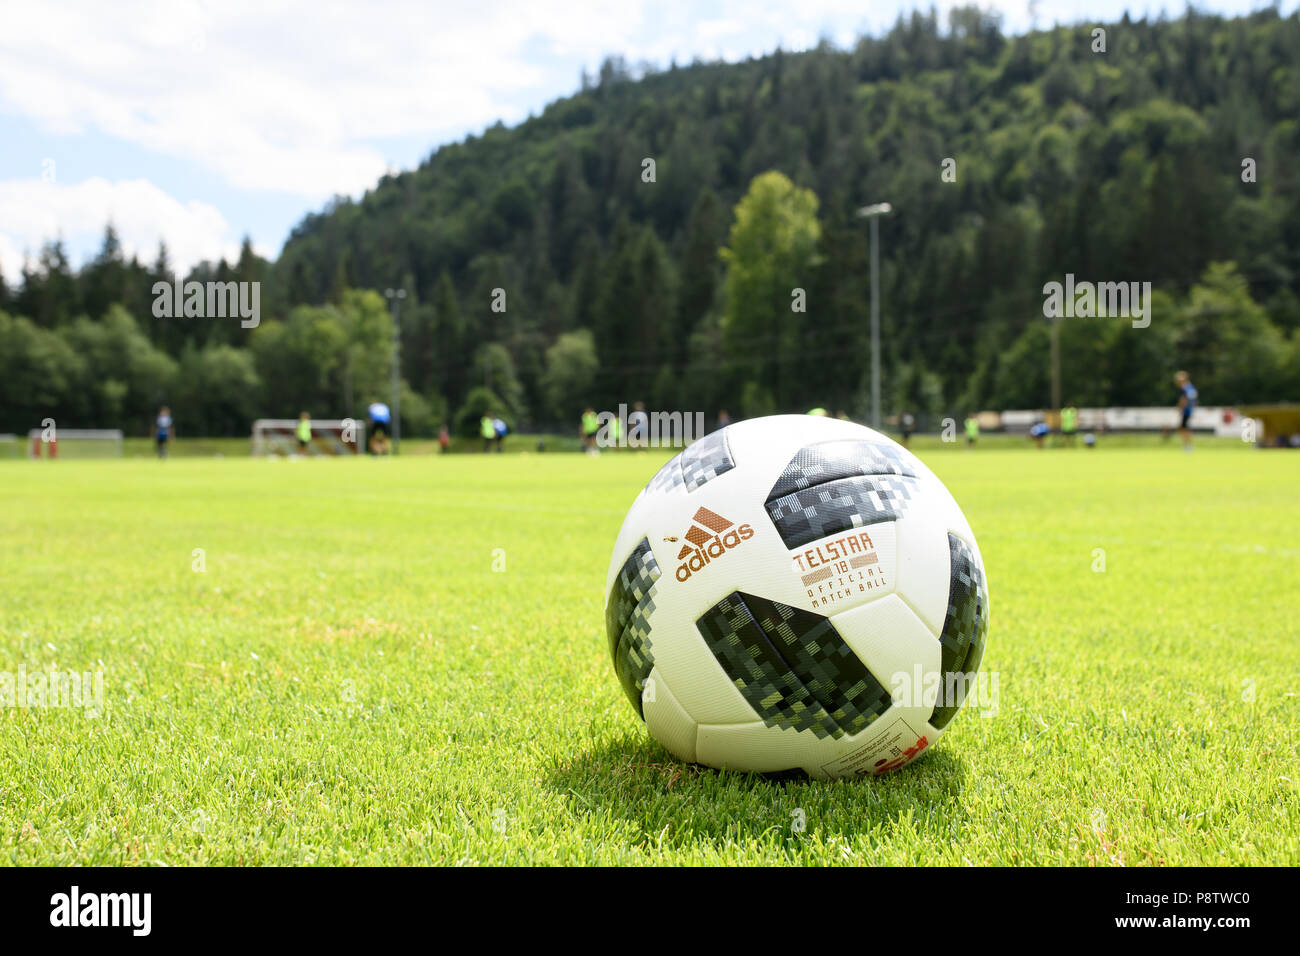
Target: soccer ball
796, 593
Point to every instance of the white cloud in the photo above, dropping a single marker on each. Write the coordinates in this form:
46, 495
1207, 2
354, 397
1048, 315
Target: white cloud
33, 211
11, 260
284, 96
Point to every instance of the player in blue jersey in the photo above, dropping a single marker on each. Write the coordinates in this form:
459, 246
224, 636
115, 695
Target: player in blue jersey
163, 429
381, 422
1186, 405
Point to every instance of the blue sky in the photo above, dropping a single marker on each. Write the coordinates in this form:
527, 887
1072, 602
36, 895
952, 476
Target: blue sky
200, 122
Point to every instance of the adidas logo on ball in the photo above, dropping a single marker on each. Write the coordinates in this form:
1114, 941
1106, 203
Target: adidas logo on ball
710, 536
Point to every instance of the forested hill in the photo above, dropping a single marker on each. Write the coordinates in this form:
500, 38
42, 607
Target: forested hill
1169, 158
1122, 165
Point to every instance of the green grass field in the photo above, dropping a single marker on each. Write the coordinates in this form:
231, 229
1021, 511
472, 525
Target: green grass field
349, 680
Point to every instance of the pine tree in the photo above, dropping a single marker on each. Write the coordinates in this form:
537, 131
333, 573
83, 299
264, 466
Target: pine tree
700, 268
452, 343
104, 280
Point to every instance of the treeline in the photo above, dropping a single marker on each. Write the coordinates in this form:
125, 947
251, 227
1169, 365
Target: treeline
578, 258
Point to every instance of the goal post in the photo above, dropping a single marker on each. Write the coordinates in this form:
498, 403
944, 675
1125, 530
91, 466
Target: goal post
74, 443
279, 436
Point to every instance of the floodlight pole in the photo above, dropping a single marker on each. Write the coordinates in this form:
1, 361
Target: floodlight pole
395, 297
873, 213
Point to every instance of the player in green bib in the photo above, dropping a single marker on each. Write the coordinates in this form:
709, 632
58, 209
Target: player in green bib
972, 430
590, 425
1069, 423
488, 431
304, 432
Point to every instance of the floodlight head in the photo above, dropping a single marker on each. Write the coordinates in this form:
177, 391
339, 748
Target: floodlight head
879, 209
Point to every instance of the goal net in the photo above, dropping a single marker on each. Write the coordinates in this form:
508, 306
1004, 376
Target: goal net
279, 436
74, 443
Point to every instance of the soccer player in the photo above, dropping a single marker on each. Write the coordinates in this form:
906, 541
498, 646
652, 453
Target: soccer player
304, 432
381, 420
906, 424
972, 430
1069, 423
162, 430
1186, 405
499, 427
587, 431
488, 431
444, 439
1040, 431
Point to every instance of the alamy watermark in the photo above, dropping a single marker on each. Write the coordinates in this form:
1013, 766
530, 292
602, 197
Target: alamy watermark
52, 689
642, 429
209, 300
950, 689
1086, 300
131, 911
